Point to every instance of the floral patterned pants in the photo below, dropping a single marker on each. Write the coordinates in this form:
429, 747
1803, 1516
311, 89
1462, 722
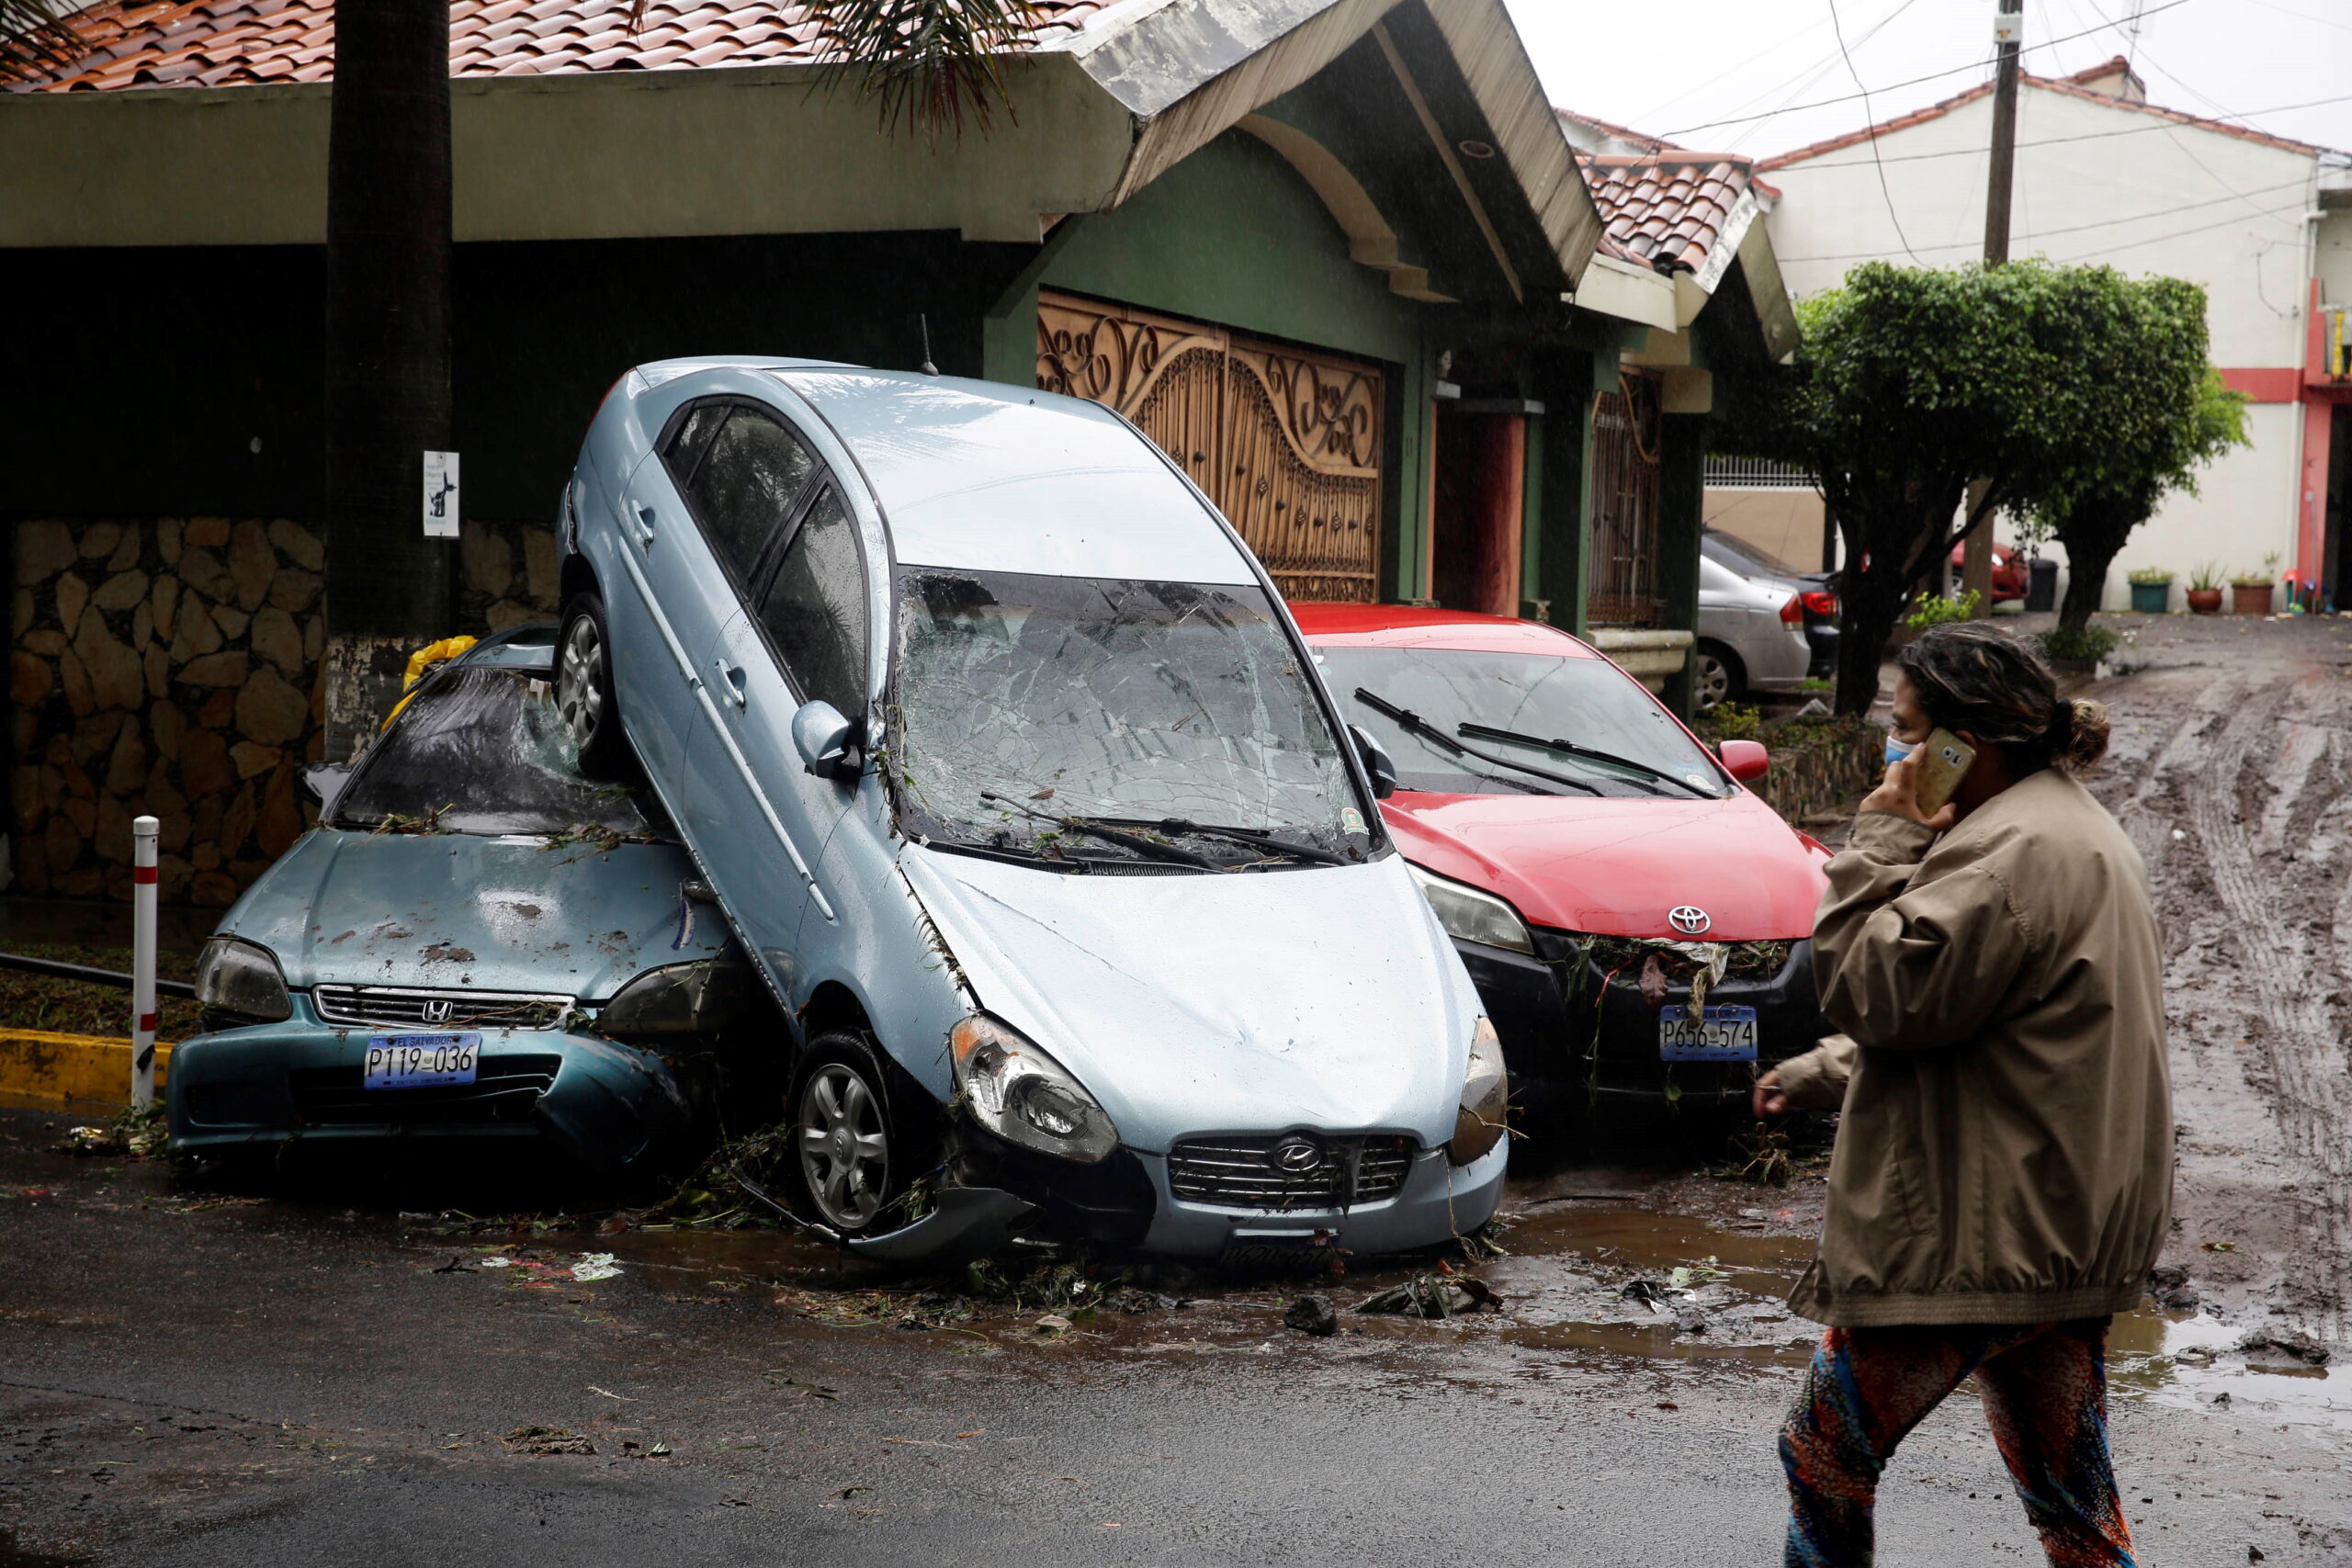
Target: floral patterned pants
2044, 1387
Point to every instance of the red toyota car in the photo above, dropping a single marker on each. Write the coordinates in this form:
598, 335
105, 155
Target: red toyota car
1600, 870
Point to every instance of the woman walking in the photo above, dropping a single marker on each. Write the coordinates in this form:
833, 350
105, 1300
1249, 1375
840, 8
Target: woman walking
2002, 1181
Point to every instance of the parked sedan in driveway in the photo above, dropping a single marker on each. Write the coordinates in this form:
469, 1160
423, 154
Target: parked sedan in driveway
475, 943
2011, 574
1751, 638
1009, 769
1602, 873
1816, 592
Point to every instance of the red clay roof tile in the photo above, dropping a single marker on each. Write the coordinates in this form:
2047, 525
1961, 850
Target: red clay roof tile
1666, 208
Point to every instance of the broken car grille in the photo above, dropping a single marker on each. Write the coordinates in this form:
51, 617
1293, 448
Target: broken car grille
394, 1006
1288, 1170
505, 1090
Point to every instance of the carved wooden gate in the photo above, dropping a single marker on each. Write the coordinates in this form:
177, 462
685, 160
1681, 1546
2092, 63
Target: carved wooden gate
1624, 589
1287, 444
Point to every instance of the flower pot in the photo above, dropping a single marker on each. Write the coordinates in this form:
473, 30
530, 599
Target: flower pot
2204, 601
2150, 598
2250, 598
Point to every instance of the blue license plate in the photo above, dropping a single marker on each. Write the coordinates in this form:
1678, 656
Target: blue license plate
1717, 1034
420, 1061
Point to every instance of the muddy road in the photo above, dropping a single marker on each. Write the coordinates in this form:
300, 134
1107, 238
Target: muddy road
347, 1367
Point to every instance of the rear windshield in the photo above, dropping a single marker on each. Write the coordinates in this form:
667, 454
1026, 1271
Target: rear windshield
483, 750
1587, 701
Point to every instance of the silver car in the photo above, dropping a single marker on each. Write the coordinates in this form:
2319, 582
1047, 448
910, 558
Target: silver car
1008, 769
1751, 638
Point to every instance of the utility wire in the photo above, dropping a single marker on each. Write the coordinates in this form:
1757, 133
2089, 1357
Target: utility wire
2101, 224
1884, 194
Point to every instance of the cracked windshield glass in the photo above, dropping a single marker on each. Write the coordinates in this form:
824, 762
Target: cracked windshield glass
1027, 703
484, 752
1585, 702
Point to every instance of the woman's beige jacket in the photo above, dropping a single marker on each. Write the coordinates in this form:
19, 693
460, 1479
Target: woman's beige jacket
2006, 1151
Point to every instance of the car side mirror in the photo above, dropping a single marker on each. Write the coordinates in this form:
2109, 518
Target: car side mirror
1377, 762
325, 780
1745, 760
822, 738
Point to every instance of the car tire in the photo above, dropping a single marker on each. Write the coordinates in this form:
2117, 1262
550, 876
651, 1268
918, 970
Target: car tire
860, 1136
583, 688
1717, 677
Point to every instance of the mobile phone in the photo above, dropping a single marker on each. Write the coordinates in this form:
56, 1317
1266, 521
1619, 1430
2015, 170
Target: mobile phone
1944, 761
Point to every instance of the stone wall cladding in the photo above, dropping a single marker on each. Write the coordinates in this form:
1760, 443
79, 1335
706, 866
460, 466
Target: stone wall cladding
172, 666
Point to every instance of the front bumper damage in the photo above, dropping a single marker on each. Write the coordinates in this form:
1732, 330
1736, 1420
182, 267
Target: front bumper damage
1573, 1037
610, 1106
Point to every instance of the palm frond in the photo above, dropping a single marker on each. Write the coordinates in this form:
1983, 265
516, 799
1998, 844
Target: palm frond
930, 62
34, 42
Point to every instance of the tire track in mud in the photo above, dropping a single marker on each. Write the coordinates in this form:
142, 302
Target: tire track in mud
2285, 929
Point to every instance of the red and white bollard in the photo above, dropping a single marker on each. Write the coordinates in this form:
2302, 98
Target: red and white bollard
142, 962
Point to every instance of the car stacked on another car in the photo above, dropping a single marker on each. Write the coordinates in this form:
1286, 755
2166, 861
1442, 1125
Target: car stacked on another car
1637, 922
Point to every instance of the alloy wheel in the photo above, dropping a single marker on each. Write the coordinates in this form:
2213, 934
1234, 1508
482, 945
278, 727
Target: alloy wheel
1714, 682
580, 681
844, 1148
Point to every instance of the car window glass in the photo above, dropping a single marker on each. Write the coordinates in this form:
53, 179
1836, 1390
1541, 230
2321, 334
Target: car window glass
484, 751
1588, 701
815, 609
692, 440
1721, 579
745, 488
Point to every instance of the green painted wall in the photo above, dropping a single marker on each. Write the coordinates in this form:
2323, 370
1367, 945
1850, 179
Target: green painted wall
1232, 235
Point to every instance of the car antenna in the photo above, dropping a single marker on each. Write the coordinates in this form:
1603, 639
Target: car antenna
928, 367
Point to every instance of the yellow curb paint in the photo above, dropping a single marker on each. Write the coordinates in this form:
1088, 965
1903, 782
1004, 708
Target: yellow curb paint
40, 1070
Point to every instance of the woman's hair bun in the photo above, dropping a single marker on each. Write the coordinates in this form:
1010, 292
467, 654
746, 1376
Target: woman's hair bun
2087, 733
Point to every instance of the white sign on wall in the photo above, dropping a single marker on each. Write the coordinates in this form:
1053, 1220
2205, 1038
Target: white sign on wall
440, 495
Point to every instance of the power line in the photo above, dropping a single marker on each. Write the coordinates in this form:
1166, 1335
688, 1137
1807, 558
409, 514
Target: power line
1931, 77
2175, 234
1884, 194
2155, 125
2101, 224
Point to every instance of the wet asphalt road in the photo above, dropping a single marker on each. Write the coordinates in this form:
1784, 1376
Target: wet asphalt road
190, 1381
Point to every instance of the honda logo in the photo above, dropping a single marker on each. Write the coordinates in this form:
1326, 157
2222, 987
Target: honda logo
437, 1011
1296, 1156
1688, 918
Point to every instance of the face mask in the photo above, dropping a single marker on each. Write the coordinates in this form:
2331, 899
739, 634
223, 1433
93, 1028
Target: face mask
1898, 750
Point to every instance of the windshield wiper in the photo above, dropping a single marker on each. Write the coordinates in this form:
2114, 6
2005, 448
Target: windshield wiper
1414, 724
1569, 748
1260, 840
1151, 849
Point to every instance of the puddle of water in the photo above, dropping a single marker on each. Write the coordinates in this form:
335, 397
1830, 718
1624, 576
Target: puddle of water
2165, 1356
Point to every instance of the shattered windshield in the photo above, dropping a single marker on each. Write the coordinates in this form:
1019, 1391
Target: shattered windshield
1025, 703
484, 751
1584, 701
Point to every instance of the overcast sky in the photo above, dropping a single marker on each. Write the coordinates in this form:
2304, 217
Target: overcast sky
1669, 67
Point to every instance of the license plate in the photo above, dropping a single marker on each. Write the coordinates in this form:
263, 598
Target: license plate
1717, 1034
422, 1061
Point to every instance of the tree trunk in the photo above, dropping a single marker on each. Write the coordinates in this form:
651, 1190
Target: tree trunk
2086, 567
1866, 622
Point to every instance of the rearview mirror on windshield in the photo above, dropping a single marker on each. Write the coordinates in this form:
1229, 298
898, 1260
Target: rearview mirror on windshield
822, 736
1377, 764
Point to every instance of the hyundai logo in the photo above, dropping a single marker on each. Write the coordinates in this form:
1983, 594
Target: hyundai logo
437, 1011
1688, 918
1296, 1156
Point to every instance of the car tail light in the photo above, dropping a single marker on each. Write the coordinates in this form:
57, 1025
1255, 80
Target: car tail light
1820, 602
1792, 612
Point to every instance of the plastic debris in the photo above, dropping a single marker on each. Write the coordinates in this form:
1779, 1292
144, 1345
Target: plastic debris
1312, 1314
595, 1266
1054, 1322
1436, 1295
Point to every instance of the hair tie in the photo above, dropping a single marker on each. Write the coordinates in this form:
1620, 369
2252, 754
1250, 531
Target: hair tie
2062, 722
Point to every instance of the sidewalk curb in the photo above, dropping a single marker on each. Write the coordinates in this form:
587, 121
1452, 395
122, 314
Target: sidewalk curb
44, 1071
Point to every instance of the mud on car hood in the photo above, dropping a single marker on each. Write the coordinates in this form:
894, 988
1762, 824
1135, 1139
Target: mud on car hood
1616, 866
453, 909
1324, 997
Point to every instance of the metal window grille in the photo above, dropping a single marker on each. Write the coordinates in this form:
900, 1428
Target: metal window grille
1755, 473
1623, 587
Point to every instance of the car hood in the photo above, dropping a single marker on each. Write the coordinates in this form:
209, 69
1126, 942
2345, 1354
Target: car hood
1323, 997
1616, 866
451, 909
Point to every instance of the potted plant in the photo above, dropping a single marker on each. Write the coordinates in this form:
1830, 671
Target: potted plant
2250, 592
2205, 590
2151, 590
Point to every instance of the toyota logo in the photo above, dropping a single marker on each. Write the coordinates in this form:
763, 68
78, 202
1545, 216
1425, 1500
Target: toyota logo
1688, 918
1296, 1156
438, 1010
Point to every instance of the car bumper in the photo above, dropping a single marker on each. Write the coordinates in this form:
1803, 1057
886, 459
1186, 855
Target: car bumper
1572, 1041
613, 1106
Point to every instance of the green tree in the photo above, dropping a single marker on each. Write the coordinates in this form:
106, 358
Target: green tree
1910, 382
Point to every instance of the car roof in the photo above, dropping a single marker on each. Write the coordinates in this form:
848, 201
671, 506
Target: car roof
1409, 625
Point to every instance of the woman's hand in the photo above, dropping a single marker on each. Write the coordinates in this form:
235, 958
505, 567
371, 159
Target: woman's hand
1898, 795
1766, 1099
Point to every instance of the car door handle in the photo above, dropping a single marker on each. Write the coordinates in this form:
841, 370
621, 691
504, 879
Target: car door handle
641, 524
730, 682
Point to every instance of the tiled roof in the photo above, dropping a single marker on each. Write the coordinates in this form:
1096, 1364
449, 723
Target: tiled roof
218, 43
2066, 86
1666, 210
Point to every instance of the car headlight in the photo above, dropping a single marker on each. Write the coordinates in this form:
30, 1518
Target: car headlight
1470, 915
1485, 1095
679, 998
1023, 1095
238, 977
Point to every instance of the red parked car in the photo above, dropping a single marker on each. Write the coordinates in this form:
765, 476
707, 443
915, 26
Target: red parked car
2011, 576
1593, 862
